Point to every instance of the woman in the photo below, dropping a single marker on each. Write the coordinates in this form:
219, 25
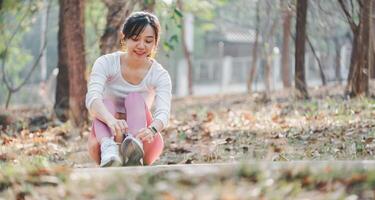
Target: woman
123, 86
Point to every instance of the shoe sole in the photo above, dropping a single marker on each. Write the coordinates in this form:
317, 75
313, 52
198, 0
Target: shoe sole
134, 155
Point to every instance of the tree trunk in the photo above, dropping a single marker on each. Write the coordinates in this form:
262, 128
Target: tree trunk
43, 34
321, 72
372, 66
72, 58
337, 59
252, 73
43, 59
285, 70
187, 54
61, 106
118, 10
268, 49
300, 81
358, 78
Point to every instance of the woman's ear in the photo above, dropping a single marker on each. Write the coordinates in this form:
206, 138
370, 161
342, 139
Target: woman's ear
122, 36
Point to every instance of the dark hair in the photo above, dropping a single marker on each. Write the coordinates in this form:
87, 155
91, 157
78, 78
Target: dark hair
137, 22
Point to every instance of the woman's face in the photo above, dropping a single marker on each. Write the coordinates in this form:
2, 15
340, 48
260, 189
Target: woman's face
143, 45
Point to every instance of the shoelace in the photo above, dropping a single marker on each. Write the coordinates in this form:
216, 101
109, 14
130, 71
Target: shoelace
135, 140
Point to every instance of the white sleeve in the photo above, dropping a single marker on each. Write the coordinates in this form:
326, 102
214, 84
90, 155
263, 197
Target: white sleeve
163, 97
97, 80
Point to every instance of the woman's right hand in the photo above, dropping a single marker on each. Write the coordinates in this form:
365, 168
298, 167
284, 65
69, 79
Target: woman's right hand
117, 126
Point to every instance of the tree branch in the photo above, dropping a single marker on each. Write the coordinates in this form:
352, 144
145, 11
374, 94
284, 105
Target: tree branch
7, 45
318, 60
8, 85
348, 16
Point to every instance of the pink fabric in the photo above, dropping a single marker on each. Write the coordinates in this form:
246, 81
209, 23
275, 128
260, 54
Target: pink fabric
137, 116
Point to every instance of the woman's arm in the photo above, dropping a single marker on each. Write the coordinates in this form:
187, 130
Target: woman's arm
163, 96
94, 98
99, 111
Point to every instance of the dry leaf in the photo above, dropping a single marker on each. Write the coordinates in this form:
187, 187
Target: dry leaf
209, 117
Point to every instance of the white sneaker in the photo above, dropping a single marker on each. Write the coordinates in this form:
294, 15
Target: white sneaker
109, 153
131, 150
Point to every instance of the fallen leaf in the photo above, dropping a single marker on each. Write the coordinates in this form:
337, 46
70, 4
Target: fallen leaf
209, 117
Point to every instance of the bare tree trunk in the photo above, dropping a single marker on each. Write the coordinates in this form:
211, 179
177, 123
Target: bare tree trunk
118, 10
337, 60
321, 72
268, 55
358, 78
372, 65
187, 54
285, 70
43, 59
252, 73
300, 82
72, 57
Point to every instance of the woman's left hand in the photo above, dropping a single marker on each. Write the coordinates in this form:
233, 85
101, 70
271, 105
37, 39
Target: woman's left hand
145, 135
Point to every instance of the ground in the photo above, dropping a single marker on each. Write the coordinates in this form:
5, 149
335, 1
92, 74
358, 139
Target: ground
250, 134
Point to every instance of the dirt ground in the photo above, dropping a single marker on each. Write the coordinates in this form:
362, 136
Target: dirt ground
38, 154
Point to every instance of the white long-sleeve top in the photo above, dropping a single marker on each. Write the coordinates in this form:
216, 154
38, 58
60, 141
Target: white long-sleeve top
107, 82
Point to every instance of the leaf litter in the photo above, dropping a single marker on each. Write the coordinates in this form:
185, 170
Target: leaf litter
215, 129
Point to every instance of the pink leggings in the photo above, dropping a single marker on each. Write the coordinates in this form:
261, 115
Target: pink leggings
137, 116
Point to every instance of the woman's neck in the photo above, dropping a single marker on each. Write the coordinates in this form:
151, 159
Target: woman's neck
133, 63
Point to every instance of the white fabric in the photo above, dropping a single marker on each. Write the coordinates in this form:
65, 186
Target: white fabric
109, 152
107, 82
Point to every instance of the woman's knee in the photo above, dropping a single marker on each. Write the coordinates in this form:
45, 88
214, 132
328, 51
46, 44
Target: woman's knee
153, 150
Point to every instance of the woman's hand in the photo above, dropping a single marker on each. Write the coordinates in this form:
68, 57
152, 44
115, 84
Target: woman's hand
145, 135
118, 127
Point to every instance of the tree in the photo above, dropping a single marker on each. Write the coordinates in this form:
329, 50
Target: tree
358, 77
11, 12
287, 16
300, 81
71, 83
118, 10
185, 49
372, 66
255, 50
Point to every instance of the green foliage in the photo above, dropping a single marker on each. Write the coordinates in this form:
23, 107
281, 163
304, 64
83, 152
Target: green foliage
171, 18
95, 19
17, 19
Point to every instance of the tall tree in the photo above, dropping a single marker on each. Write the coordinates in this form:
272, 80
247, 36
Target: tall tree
358, 77
118, 10
252, 71
338, 46
9, 46
71, 82
372, 66
187, 53
287, 18
300, 81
